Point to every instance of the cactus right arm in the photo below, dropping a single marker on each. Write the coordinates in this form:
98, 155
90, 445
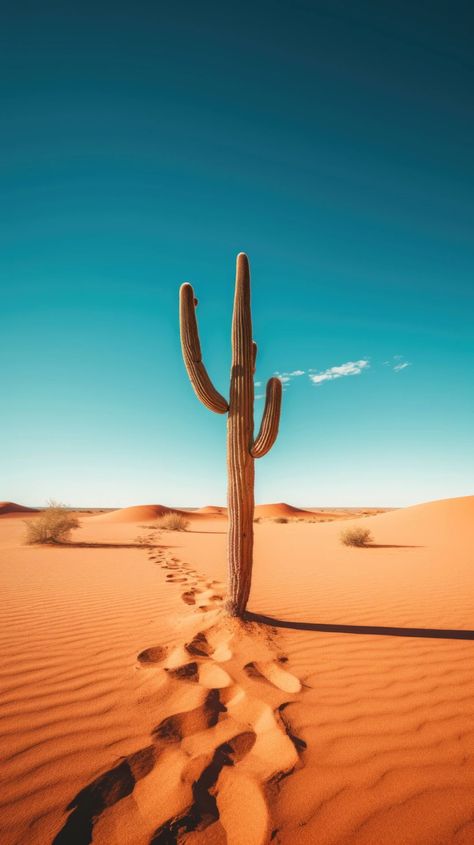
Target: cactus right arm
191, 347
270, 420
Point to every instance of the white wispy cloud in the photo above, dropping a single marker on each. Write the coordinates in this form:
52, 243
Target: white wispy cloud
257, 383
397, 363
285, 378
351, 368
260, 396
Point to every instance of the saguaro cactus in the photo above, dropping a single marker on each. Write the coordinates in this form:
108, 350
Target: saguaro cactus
242, 448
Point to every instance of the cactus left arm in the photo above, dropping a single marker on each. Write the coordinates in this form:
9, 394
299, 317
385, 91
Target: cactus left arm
270, 420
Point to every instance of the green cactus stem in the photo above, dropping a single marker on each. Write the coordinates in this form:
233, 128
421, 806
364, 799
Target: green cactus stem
242, 448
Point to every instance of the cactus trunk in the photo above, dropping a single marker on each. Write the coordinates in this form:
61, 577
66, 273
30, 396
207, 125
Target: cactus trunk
240, 463
242, 449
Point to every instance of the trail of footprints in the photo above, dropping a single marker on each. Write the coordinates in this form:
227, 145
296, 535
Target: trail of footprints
208, 772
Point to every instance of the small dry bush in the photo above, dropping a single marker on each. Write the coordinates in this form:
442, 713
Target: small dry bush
53, 525
172, 522
281, 519
356, 537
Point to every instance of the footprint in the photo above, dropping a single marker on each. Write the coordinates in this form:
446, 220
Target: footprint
189, 597
199, 645
155, 654
204, 810
274, 675
187, 672
103, 792
179, 725
299, 743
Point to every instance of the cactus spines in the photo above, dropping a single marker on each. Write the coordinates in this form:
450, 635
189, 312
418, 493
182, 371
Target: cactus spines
241, 446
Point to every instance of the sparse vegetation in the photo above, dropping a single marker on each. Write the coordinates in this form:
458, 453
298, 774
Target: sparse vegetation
52, 526
281, 519
172, 521
356, 537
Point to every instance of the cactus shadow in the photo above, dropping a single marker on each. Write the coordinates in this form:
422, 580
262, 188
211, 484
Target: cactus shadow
85, 545
378, 630
194, 531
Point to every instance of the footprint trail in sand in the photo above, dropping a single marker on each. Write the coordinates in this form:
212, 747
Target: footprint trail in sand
212, 766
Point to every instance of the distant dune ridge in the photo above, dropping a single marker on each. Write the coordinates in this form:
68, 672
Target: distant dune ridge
12, 509
127, 695
275, 510
139, 513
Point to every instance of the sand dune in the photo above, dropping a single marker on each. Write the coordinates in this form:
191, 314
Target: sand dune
12, 509
134, 711
279, 509
212, 510
143, 513
137, 513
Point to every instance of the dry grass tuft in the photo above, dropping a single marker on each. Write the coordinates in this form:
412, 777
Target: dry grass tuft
356, 537
53, 525
172, 521
281, 519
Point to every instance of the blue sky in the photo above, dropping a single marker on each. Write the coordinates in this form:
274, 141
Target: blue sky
143, 146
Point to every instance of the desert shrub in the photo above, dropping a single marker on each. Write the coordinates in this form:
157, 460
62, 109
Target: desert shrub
172, 521
356, 536
258, 519
281, 519
53, 525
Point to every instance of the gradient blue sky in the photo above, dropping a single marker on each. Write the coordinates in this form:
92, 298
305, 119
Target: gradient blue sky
145, 144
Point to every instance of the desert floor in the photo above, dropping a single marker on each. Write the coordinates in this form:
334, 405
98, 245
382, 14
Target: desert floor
133, 711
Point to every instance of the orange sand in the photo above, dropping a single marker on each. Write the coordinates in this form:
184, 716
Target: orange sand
118, 666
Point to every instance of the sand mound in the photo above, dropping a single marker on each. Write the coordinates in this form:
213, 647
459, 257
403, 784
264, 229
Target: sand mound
139, 513
147, 513
431, 518
12, 509
280, 509
212, 510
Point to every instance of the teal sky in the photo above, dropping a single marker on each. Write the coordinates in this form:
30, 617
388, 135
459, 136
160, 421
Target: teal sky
145, 144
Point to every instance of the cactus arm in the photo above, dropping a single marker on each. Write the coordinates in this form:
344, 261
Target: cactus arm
191, 348
270, 420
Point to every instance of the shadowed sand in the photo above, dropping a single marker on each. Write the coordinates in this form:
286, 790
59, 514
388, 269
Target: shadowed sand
134, 711
379, 630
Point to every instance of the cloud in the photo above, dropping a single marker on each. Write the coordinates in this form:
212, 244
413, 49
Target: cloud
257, 383
397, 363
285, 378
260, 396
351, 368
